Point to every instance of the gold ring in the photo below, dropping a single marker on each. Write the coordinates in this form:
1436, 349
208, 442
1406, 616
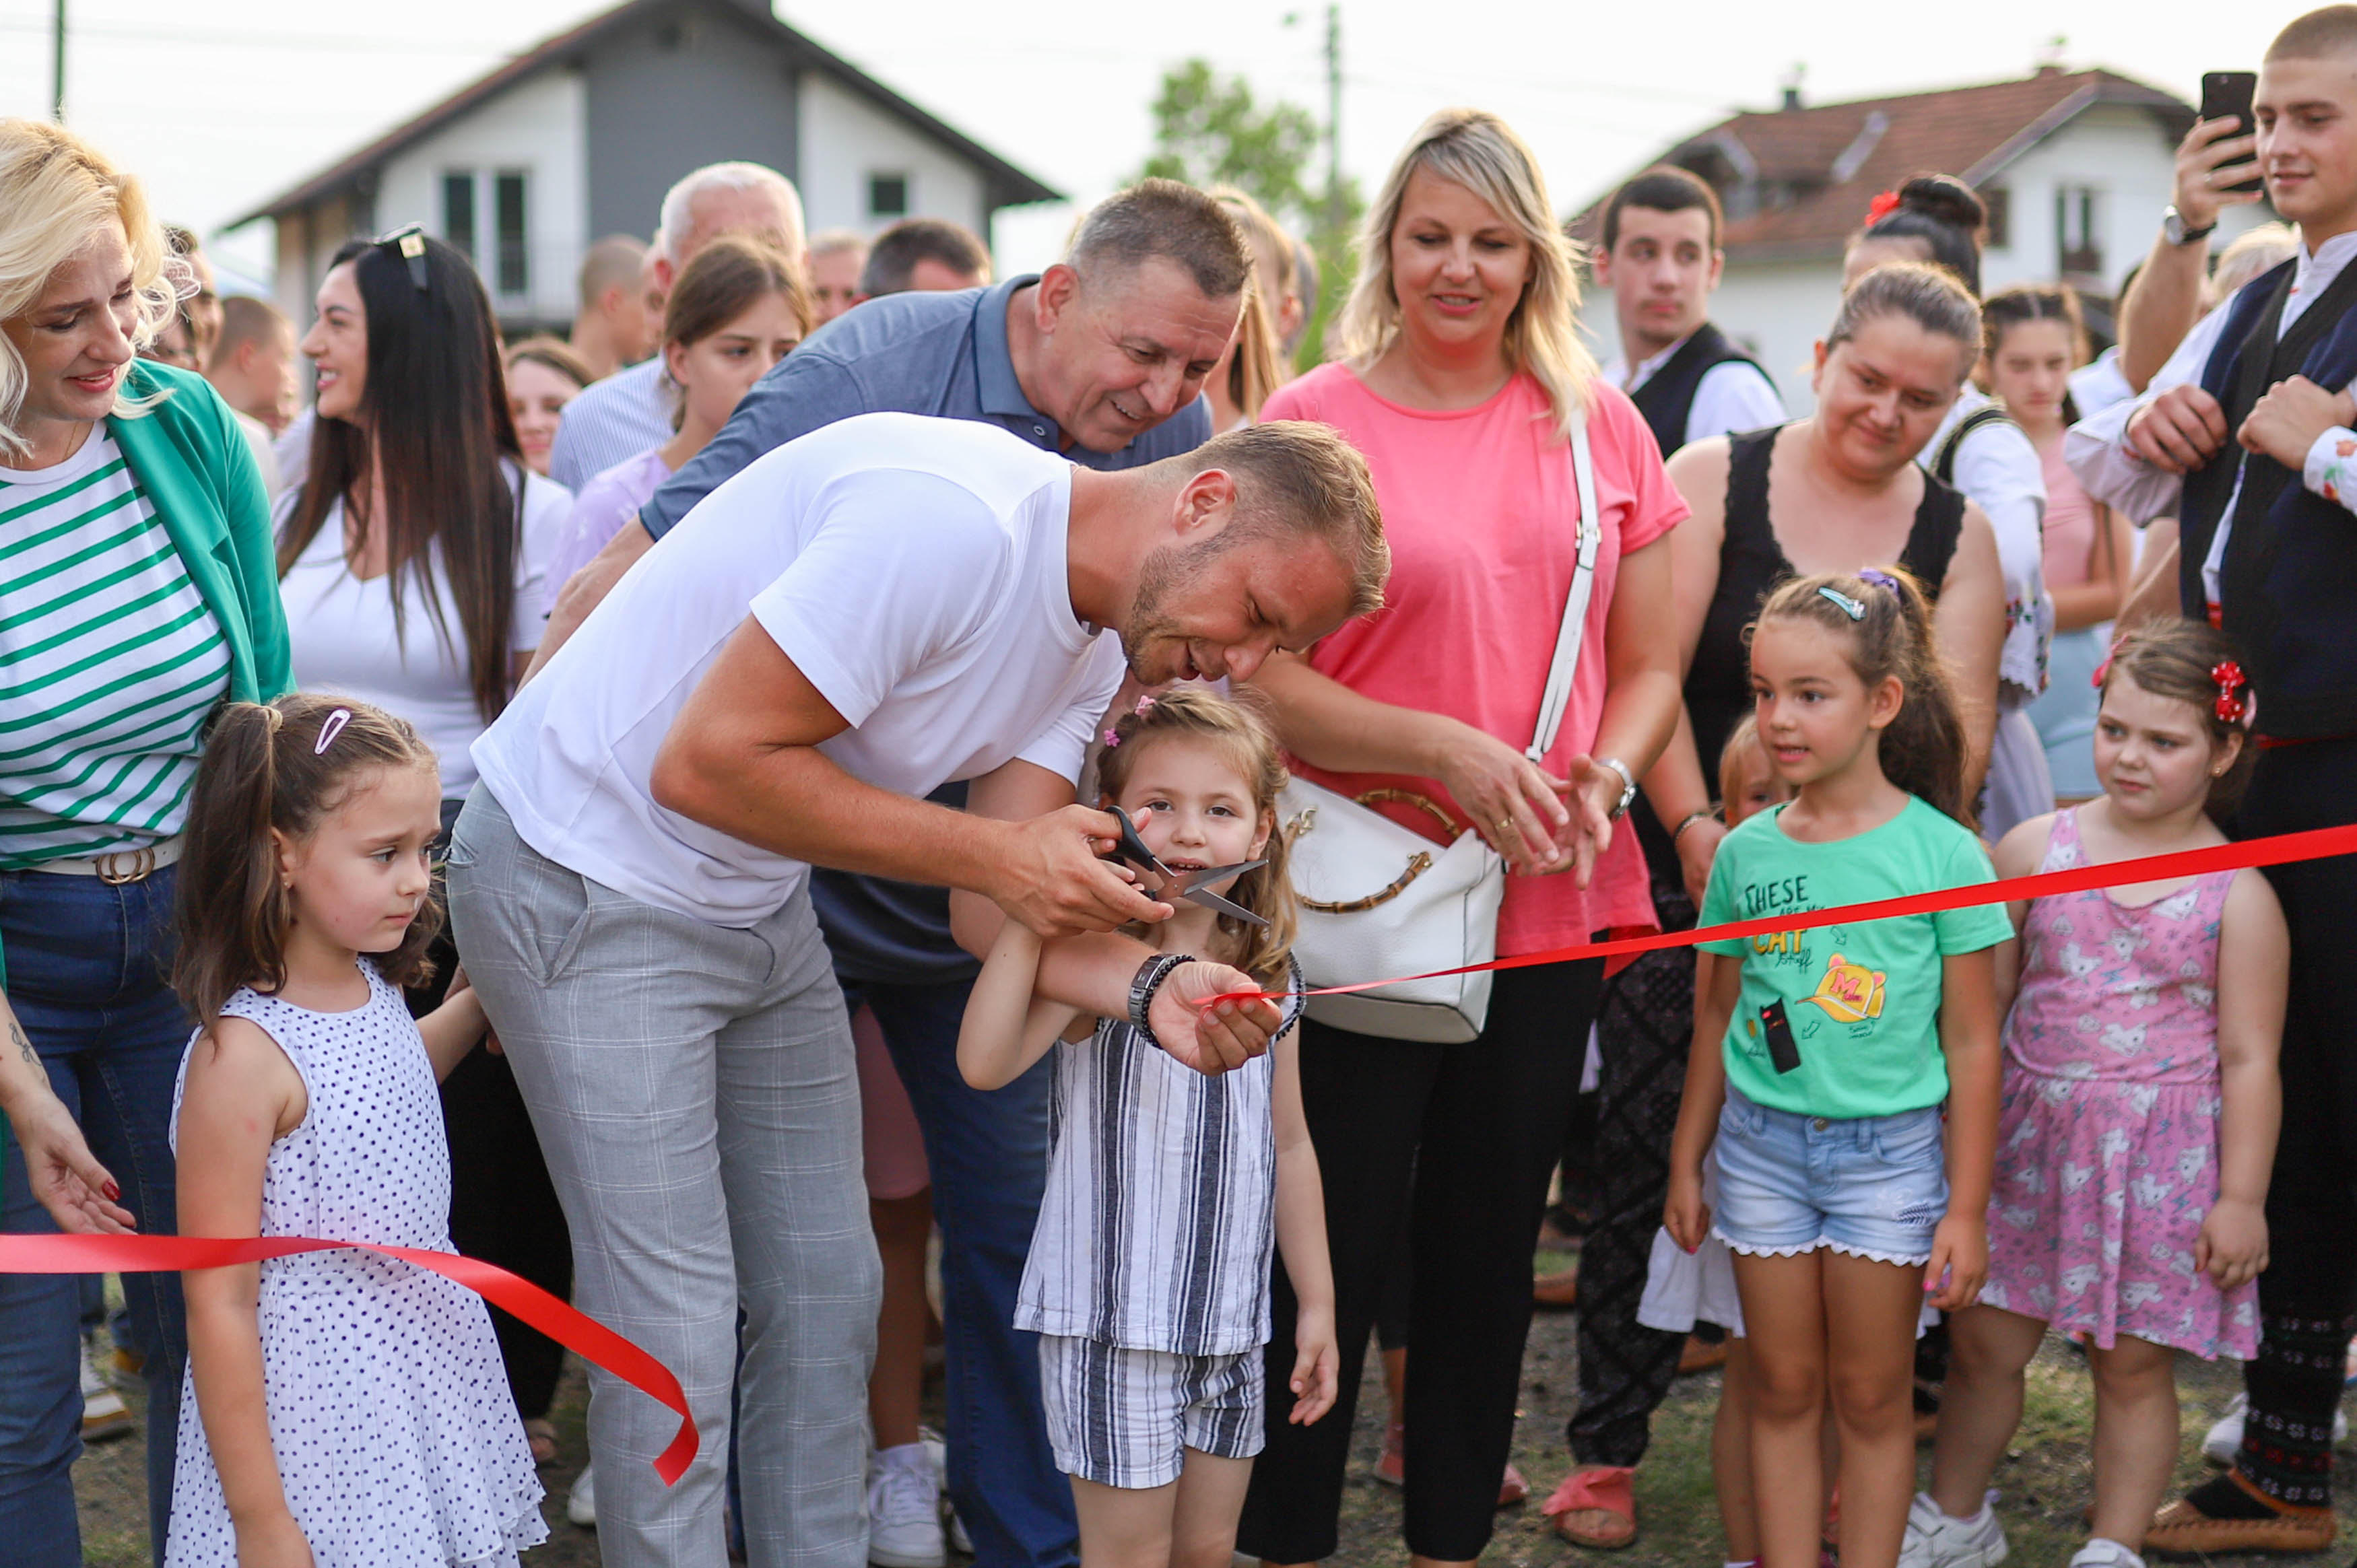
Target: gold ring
1505, 824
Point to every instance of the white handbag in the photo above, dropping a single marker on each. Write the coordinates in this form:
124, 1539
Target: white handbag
1380, 900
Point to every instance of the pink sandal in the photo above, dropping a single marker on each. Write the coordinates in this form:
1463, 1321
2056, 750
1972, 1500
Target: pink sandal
1596, 1507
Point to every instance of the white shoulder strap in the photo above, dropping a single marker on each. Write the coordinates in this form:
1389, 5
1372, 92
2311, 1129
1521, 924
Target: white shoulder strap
1575, 609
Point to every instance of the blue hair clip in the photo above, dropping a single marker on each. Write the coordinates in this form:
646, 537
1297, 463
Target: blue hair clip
1847, 606
1882, 580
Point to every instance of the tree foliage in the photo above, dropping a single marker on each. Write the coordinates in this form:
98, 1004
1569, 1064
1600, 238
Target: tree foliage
1210, 129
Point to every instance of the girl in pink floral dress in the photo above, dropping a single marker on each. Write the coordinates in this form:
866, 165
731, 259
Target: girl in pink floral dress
2140, 1108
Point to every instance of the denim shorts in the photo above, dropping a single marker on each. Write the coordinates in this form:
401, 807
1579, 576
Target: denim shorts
1873, 1187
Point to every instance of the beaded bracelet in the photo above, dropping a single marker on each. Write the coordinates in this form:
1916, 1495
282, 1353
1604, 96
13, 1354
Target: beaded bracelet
1147, 980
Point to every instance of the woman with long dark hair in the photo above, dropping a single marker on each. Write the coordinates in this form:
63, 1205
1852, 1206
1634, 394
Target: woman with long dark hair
412, 557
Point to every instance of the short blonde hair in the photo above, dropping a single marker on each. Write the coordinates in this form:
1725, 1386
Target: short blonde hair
1481, 152
57, 192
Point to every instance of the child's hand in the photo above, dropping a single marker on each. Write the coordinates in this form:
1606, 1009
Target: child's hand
1317, 1366
276, 1541
2233, 1246
1687, 1217
1959, 1264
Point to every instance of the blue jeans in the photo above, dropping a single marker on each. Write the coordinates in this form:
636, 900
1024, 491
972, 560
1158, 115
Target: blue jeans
85, 974
988, 1152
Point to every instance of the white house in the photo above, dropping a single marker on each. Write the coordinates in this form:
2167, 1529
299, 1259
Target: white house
580, 137
2075, 167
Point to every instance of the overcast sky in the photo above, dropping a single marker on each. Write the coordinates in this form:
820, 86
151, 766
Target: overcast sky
221, 105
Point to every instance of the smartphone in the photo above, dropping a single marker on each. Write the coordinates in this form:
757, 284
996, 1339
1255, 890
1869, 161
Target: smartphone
1783, 1051
2226, 95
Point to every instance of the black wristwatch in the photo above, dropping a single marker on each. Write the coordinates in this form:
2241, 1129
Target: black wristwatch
2174, 229
1147, 980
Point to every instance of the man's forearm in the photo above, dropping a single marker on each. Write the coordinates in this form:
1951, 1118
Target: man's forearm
796, 801
2161, 307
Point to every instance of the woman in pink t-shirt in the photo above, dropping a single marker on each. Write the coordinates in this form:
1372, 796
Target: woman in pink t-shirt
1464, 367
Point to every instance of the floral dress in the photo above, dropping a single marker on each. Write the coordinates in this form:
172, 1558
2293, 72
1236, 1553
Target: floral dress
2107, 1145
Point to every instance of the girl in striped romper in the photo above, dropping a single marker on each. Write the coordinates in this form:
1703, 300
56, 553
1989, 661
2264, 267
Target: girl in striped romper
1148, 1280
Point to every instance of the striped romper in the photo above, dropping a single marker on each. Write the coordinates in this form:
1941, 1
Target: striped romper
1148, 1279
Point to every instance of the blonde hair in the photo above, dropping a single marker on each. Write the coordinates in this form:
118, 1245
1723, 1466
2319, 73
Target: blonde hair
1257, 367
1475, 149
1239, 727
58, 192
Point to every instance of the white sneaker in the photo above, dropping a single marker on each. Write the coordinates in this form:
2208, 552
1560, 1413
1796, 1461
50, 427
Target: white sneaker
1936, 1541
104, 1416
2224, 1438
938, 1452
581, 1503
904, 1510
2105, 1553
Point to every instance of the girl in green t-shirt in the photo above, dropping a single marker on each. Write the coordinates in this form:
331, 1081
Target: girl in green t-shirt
1823, 1054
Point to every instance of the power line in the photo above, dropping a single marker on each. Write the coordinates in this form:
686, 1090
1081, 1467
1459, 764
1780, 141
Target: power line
221, 38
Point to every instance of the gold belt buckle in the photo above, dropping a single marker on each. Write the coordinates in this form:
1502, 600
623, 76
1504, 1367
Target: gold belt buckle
112, 872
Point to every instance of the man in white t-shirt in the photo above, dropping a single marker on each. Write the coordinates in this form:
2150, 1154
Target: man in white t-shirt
880, 608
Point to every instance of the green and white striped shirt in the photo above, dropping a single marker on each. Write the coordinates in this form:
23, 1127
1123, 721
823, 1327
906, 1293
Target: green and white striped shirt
110, 662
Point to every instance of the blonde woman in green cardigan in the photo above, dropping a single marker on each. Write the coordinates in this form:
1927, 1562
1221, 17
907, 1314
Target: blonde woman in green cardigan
138, 591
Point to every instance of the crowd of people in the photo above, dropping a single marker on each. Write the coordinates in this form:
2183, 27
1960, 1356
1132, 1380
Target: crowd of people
690, 809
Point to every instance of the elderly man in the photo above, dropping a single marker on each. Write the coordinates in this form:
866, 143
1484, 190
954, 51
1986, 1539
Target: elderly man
864, 614
627, 412
836, 256
1101, 357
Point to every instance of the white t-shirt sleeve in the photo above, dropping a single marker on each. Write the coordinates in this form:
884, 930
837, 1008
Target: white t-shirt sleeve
899, 567
1062, 748
546, 505
1998, 471
1732, 398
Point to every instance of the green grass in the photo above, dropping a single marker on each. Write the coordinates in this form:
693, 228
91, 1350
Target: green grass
2044, 1481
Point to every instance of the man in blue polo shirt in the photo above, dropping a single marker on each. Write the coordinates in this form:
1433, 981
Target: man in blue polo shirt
1101, 358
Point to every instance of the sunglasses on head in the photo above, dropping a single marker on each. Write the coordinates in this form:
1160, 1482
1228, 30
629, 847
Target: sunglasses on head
409, 242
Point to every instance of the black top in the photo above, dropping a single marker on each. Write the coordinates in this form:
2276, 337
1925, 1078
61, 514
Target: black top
1666, 400
1750, 563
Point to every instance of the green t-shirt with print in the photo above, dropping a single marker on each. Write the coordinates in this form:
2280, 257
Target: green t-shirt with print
1861, 1001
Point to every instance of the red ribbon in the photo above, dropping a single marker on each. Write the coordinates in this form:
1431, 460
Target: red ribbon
2316, 843
575, 1330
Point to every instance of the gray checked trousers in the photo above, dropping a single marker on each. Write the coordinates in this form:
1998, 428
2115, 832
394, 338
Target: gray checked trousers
694, 1094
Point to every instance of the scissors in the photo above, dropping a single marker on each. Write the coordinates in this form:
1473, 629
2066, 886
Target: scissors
1187, 885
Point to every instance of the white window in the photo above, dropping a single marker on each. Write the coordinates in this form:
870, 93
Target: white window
2078, 231
488, 220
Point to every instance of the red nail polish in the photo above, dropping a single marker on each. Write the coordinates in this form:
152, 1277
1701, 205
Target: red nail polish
114, 1193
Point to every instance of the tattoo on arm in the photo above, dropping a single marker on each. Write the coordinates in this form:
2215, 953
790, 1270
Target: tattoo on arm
24, 1046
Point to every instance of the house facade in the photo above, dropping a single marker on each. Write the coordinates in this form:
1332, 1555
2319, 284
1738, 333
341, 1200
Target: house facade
580, 137
2074, 167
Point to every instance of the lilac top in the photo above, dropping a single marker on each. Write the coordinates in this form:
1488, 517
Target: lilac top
598, 512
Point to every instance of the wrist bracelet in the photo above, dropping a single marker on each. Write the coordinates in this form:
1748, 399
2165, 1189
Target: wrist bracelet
1147, 980
1689, 820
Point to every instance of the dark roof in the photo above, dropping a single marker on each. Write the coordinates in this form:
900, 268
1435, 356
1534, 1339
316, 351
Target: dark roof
1834, 158
1008, 185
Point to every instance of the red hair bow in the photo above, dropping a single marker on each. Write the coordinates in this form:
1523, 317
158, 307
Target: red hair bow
2231, 705
1881, 206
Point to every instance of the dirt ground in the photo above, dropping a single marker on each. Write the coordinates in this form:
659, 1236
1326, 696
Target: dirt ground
2043, 1484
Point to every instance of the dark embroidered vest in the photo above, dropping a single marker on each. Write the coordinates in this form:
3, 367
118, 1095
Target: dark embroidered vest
2288, 584
1667, 400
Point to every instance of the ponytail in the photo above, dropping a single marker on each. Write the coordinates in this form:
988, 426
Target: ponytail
1922, 749
279, 765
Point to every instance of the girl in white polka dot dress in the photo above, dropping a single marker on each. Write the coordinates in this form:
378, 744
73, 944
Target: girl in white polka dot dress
343, 1410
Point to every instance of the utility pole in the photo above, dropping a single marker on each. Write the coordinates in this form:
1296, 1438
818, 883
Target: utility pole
58, 64
1334, 213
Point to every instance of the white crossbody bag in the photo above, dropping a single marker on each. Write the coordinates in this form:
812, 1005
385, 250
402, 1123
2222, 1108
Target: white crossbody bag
1380, 900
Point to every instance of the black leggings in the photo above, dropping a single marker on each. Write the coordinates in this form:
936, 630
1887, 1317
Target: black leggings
1480, 1125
